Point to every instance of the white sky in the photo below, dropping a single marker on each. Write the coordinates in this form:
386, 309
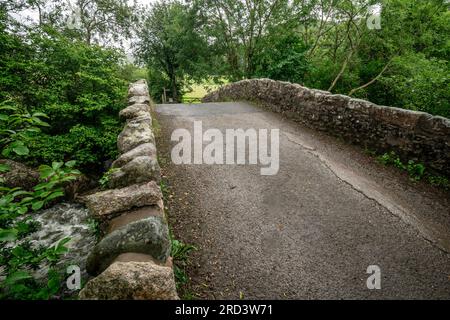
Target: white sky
33, 15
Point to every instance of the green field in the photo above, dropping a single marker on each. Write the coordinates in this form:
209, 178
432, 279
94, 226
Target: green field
195, 92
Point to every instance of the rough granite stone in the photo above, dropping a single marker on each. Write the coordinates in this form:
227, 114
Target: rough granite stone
105, 204
408, 133
145, 99
19, 175
136, 132
146, 149
133, 216
132, 281
148, 236
140, 257
135, 110
139, 170
138, 88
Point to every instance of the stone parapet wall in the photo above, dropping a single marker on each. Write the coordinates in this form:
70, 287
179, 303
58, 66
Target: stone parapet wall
412, 135
132, 260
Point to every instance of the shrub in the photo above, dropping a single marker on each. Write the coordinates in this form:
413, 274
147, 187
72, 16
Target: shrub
416, 83
78, 86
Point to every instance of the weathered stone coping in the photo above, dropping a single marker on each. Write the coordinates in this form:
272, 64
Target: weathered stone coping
412, 135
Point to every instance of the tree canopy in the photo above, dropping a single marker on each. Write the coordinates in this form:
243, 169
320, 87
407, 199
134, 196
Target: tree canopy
325, 44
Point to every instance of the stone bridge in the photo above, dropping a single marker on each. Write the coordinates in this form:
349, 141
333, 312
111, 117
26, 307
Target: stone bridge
313, 229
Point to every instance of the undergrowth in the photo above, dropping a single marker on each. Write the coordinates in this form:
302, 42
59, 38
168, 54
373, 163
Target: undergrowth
180, 254
417, 171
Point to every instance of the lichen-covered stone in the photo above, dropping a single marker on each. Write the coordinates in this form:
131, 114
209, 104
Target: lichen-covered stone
19, 175
139, 170
107, 203
132, 281
136, 132
149, 236
145, 99
135, 110
146, 149
133, 216
139, 88
413, 135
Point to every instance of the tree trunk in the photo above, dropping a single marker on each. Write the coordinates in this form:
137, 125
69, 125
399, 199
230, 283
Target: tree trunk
341, 72
371, 81
173, 87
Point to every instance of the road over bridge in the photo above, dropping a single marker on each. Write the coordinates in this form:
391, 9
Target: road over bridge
311, 230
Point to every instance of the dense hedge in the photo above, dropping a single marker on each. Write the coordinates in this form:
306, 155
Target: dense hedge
78, 86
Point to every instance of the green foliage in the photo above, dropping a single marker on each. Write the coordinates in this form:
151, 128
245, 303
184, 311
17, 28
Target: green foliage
416, 171
159, 81
102, 20
104, 180
17, 127
79, 87
15, 202
282, 57
327, 45
439, 181
164, 188
180, 254
19, 259
132, 73
172, 47
48, 71
417, 83
180, 251
94, 226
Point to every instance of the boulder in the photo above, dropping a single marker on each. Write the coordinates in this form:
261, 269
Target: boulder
145, 99
105, 204
132, 281
146, 149
78, 186
19, 175
148, 236
140, 257
135, 215
139, 170
135, 110
136, 132
138, 88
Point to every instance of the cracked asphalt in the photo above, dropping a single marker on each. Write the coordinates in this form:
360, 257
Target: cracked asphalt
312, 230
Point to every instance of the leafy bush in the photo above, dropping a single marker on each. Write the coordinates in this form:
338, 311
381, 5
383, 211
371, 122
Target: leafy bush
416, 171
132, 73
17, 127
416, 83
282, 57
104, 180
78, 86
180, 253
19, 283
439, 181
15, 201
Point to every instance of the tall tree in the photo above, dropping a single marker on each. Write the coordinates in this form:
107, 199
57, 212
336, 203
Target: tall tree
171, 44
238, 27
103, 20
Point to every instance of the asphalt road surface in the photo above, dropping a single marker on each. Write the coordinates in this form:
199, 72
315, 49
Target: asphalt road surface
310, 231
